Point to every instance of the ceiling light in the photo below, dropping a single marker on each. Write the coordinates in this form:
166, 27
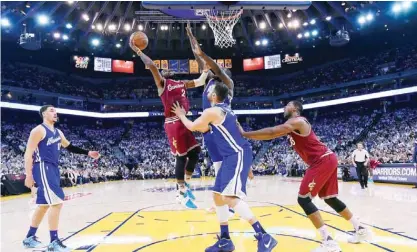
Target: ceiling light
281, 25
307, 34
299, 35
314, 33
43, 20
57, 35
5, 22
313, 21
305, 24
295, 23
289, 25
396, 8
95, 42
112, 27
70, 2
406, 5
257, 42
343, 3
127, 27
93, 27
118, 45
68, 26
99, 27
264, 41
203, 27
289, 15
328, 18
140, 27
262, 25
369, 17
85, 17
65, 37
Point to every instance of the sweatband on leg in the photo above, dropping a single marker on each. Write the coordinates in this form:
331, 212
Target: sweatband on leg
222, 213
307, 205
192, 156
179, 167
336, 204
242, 208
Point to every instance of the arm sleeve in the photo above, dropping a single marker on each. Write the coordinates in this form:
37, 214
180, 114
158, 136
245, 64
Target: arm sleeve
76, 150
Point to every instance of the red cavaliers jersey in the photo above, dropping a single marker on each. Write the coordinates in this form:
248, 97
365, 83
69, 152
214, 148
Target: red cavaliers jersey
174, 91
308, 147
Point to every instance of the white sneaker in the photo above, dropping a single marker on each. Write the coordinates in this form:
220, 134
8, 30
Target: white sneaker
328, 246
362, 235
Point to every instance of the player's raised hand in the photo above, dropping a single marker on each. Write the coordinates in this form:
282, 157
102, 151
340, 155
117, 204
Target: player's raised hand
188, 29
94, 154
178, 110
196, 47
134, 47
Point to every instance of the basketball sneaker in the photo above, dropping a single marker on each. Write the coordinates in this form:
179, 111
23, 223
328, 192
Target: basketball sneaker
57, 246
328, 246
189, 192
222, 245
32, 242
362, 235
265, 242
185, 201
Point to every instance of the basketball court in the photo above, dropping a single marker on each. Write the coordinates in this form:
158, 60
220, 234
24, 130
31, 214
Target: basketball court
143, 216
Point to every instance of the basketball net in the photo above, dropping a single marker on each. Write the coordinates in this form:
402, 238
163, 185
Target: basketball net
222, 23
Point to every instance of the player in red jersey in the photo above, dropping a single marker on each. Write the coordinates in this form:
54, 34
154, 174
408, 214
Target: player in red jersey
182, 141
321, 176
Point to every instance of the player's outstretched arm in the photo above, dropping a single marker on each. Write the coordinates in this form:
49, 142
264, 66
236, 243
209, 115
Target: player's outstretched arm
36, 135
271, 132
213, 66
201, 81
159, 80
77, 150
190, 35
200, 124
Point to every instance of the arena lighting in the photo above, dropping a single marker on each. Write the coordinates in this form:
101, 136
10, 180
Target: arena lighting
118, 45
365, 97
396, 8
264, 42
280, 25
93, 27
289, 15
295, 23
99, 27
57, 35
406, 5
95, 42
65, 37
68, 26
299, 35
369, 17
258, 42
85, 17
262, 25
361, 20
203, 27
305, 24
307, 34
313, 21
314, 33
43, 19
140, 27
5, 22
328, 18
70, 2
127, 27
112, 27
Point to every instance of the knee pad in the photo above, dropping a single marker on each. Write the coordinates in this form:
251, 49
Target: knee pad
222, 213
336, 204
217, 166
307, 205
179, 167
192, 156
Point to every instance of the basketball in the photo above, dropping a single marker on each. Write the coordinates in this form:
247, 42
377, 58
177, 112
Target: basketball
139, 39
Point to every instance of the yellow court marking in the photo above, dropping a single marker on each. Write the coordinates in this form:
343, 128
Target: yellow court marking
155, 231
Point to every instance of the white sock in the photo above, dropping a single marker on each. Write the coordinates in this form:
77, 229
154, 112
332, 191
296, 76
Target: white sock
324, 233
355, 223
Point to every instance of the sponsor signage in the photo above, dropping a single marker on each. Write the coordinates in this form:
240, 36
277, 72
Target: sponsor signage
390, 173
102, 64
253, 64
81, 61
272, 62
121, 66
292, 59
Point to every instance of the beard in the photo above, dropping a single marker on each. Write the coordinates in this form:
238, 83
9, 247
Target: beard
287, 115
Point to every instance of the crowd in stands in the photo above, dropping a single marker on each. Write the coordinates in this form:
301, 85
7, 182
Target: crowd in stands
390, 61
142, 151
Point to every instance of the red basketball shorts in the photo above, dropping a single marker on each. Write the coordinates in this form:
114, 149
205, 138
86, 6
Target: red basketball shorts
181, 140
321, 178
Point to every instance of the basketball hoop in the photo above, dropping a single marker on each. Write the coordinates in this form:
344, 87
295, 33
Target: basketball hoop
222, 23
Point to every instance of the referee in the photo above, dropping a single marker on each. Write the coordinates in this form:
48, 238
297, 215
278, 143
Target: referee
360, 159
